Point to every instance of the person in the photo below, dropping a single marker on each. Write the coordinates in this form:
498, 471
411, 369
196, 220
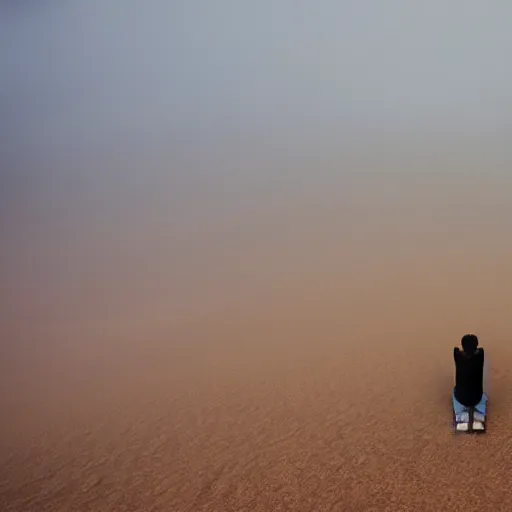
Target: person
469, 371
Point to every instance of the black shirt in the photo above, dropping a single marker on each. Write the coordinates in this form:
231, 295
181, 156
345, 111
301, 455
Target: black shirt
469, 376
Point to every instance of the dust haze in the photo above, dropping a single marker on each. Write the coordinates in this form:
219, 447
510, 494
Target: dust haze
239, 242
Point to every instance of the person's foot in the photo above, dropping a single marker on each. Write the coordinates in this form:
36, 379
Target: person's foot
478, 425
462, 427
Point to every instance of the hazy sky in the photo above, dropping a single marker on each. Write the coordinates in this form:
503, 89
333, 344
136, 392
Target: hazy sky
136, 134
161, 160
108, 74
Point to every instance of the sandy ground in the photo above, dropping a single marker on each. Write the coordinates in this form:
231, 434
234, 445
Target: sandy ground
310, 371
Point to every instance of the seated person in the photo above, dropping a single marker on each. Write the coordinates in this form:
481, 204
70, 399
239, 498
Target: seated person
469, 372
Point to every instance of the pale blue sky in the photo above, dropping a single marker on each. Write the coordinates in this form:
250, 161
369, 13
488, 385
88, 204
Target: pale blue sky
102, 75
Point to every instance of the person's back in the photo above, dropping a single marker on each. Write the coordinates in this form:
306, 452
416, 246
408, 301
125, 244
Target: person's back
469, 371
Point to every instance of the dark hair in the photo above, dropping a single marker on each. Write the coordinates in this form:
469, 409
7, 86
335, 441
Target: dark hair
469, 343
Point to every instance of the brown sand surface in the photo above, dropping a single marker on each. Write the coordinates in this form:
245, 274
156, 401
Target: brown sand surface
292, 357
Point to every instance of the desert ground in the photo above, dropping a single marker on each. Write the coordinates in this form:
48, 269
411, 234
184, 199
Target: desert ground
280, 348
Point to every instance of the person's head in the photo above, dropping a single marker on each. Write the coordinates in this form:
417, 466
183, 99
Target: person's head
469, 343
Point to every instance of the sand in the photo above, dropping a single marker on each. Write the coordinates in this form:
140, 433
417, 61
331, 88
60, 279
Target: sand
301, 360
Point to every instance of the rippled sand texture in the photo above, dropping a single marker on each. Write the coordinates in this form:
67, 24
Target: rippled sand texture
289, 353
